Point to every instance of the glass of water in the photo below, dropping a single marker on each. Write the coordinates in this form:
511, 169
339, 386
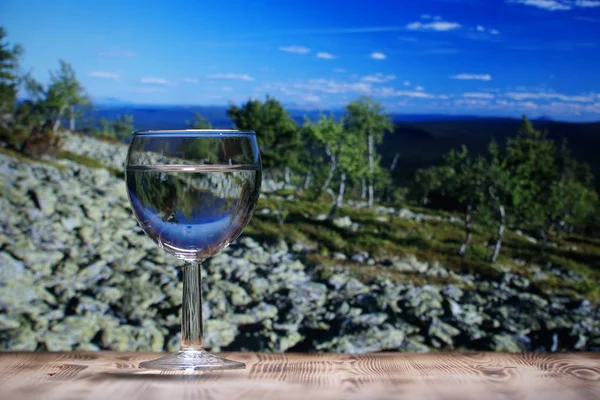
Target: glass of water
193, 192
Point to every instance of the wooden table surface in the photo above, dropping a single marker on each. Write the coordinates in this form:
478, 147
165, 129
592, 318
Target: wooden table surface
111, 375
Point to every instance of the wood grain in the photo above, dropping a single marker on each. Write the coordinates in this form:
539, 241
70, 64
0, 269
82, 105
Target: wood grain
449, 376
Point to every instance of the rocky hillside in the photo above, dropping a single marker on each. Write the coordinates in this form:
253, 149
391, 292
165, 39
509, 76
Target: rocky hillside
76, 272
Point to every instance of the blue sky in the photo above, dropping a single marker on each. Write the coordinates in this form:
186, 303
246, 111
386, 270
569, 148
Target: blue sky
486, 57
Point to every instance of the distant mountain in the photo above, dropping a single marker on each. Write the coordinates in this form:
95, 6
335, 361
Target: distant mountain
420, 139
423, 143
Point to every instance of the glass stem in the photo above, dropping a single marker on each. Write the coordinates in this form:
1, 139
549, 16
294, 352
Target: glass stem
191, 315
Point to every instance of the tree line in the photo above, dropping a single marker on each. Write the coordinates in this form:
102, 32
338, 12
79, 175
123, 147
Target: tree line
528, 183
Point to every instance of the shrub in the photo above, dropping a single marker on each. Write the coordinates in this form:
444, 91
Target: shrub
43, 142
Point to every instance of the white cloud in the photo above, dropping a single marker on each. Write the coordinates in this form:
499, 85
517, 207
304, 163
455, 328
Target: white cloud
117, 54
239, 77
104, 75
480, 28
378, 56
419, 88
295, 49
550, 5
317, 87
190, 80
587, 3
414, 94
477, 77
494, 31
440, 26
339, 70
478, 95
326, 56
406, 83
471, 102
378, 78
550, 96
156, 81
312, 98
332, 86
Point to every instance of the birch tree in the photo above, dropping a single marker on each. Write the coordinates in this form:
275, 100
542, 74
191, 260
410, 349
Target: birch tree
368, 119
65, 93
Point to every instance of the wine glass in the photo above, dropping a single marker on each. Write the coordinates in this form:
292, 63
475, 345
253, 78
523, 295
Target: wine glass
193, 192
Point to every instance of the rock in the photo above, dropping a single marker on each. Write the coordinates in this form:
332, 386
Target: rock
360, 257
309, 297
415, 345
92, 212
453, 292
455, 308
509, 343
248, 242
354, 287
321, 217
45, 199
409, 264
338, 281
11, 269
443, 331
74, 330
219, 334
96, 271
7, 323
339, 256
342, 222
372, 340
100, 176
261, 312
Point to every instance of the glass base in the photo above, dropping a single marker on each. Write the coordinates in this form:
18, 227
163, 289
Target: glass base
192, 360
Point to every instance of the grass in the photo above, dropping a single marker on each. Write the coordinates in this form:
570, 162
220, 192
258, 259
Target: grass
429, 241
24, 158
64, 155
89, 162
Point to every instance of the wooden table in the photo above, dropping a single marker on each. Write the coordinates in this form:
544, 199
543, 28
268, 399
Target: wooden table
111, 375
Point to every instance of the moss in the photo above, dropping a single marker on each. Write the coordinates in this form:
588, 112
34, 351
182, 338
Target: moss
431, 241
285, 192
89, 162
24, 158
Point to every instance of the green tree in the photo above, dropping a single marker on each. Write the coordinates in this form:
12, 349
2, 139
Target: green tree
531, 163
496, 196
312, 159
327, 134
278, 135
106, 129
10, 80
344, 150
10, 55
122, 126
199, 122
65, 93
427, 181
368, 119
464, 183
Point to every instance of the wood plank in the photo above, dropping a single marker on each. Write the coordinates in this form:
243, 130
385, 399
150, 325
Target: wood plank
451, 376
